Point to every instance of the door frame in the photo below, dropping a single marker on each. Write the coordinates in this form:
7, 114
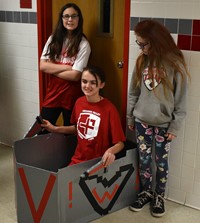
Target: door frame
44, 24
126, 61
44, 27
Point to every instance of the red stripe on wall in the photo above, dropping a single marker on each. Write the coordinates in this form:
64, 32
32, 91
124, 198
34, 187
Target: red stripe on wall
26, 4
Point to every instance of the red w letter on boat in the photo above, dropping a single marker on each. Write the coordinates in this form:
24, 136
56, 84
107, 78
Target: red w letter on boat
106, 194
37, 214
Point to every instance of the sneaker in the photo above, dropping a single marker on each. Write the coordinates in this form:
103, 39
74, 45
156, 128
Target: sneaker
143, 198
158, 206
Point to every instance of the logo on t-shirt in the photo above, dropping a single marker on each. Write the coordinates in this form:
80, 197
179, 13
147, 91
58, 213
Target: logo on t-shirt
88, 125
150, 82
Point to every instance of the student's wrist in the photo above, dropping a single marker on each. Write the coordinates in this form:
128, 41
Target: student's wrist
110, 151
55, 129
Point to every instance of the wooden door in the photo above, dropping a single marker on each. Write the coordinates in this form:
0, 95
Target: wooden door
108, 48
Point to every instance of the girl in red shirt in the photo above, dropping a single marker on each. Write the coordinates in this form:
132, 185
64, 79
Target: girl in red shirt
64, 56
95, 121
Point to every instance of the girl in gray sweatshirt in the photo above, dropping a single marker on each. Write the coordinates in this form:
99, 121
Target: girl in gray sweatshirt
156, 107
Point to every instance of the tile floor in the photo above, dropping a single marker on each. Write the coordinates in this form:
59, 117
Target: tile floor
175, 212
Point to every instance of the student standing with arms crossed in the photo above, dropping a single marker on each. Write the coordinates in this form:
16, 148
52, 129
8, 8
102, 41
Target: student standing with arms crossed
95, 121
64, 56
156, 107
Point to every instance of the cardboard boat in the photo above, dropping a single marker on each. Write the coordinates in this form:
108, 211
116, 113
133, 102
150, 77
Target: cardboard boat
49, 191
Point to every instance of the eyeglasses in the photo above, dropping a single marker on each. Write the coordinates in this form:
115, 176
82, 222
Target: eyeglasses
66, 17
141, 45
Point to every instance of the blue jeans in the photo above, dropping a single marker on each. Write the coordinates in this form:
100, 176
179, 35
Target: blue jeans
146, 135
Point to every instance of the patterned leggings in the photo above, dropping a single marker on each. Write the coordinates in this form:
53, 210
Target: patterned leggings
146, 135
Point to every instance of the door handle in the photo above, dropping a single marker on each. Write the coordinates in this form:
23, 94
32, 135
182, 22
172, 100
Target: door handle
120, 64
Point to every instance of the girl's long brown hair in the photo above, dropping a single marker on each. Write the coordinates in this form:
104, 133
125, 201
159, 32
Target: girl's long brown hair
163, 52
60, 34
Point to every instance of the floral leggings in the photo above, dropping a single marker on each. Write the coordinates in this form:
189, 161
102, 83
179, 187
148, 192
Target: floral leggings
146, 135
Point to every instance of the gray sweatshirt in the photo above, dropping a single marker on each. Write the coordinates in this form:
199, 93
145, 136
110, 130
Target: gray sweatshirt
144, 106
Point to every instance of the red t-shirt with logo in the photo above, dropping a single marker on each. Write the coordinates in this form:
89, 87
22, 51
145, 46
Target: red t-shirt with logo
98, 128
60, 92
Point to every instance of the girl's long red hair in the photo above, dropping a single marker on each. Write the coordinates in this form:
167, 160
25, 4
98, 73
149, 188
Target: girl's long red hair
163, 52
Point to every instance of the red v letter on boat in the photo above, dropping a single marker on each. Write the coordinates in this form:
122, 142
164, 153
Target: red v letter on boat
37, 214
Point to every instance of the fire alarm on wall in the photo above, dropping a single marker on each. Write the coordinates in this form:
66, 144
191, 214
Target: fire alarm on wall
27, 4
